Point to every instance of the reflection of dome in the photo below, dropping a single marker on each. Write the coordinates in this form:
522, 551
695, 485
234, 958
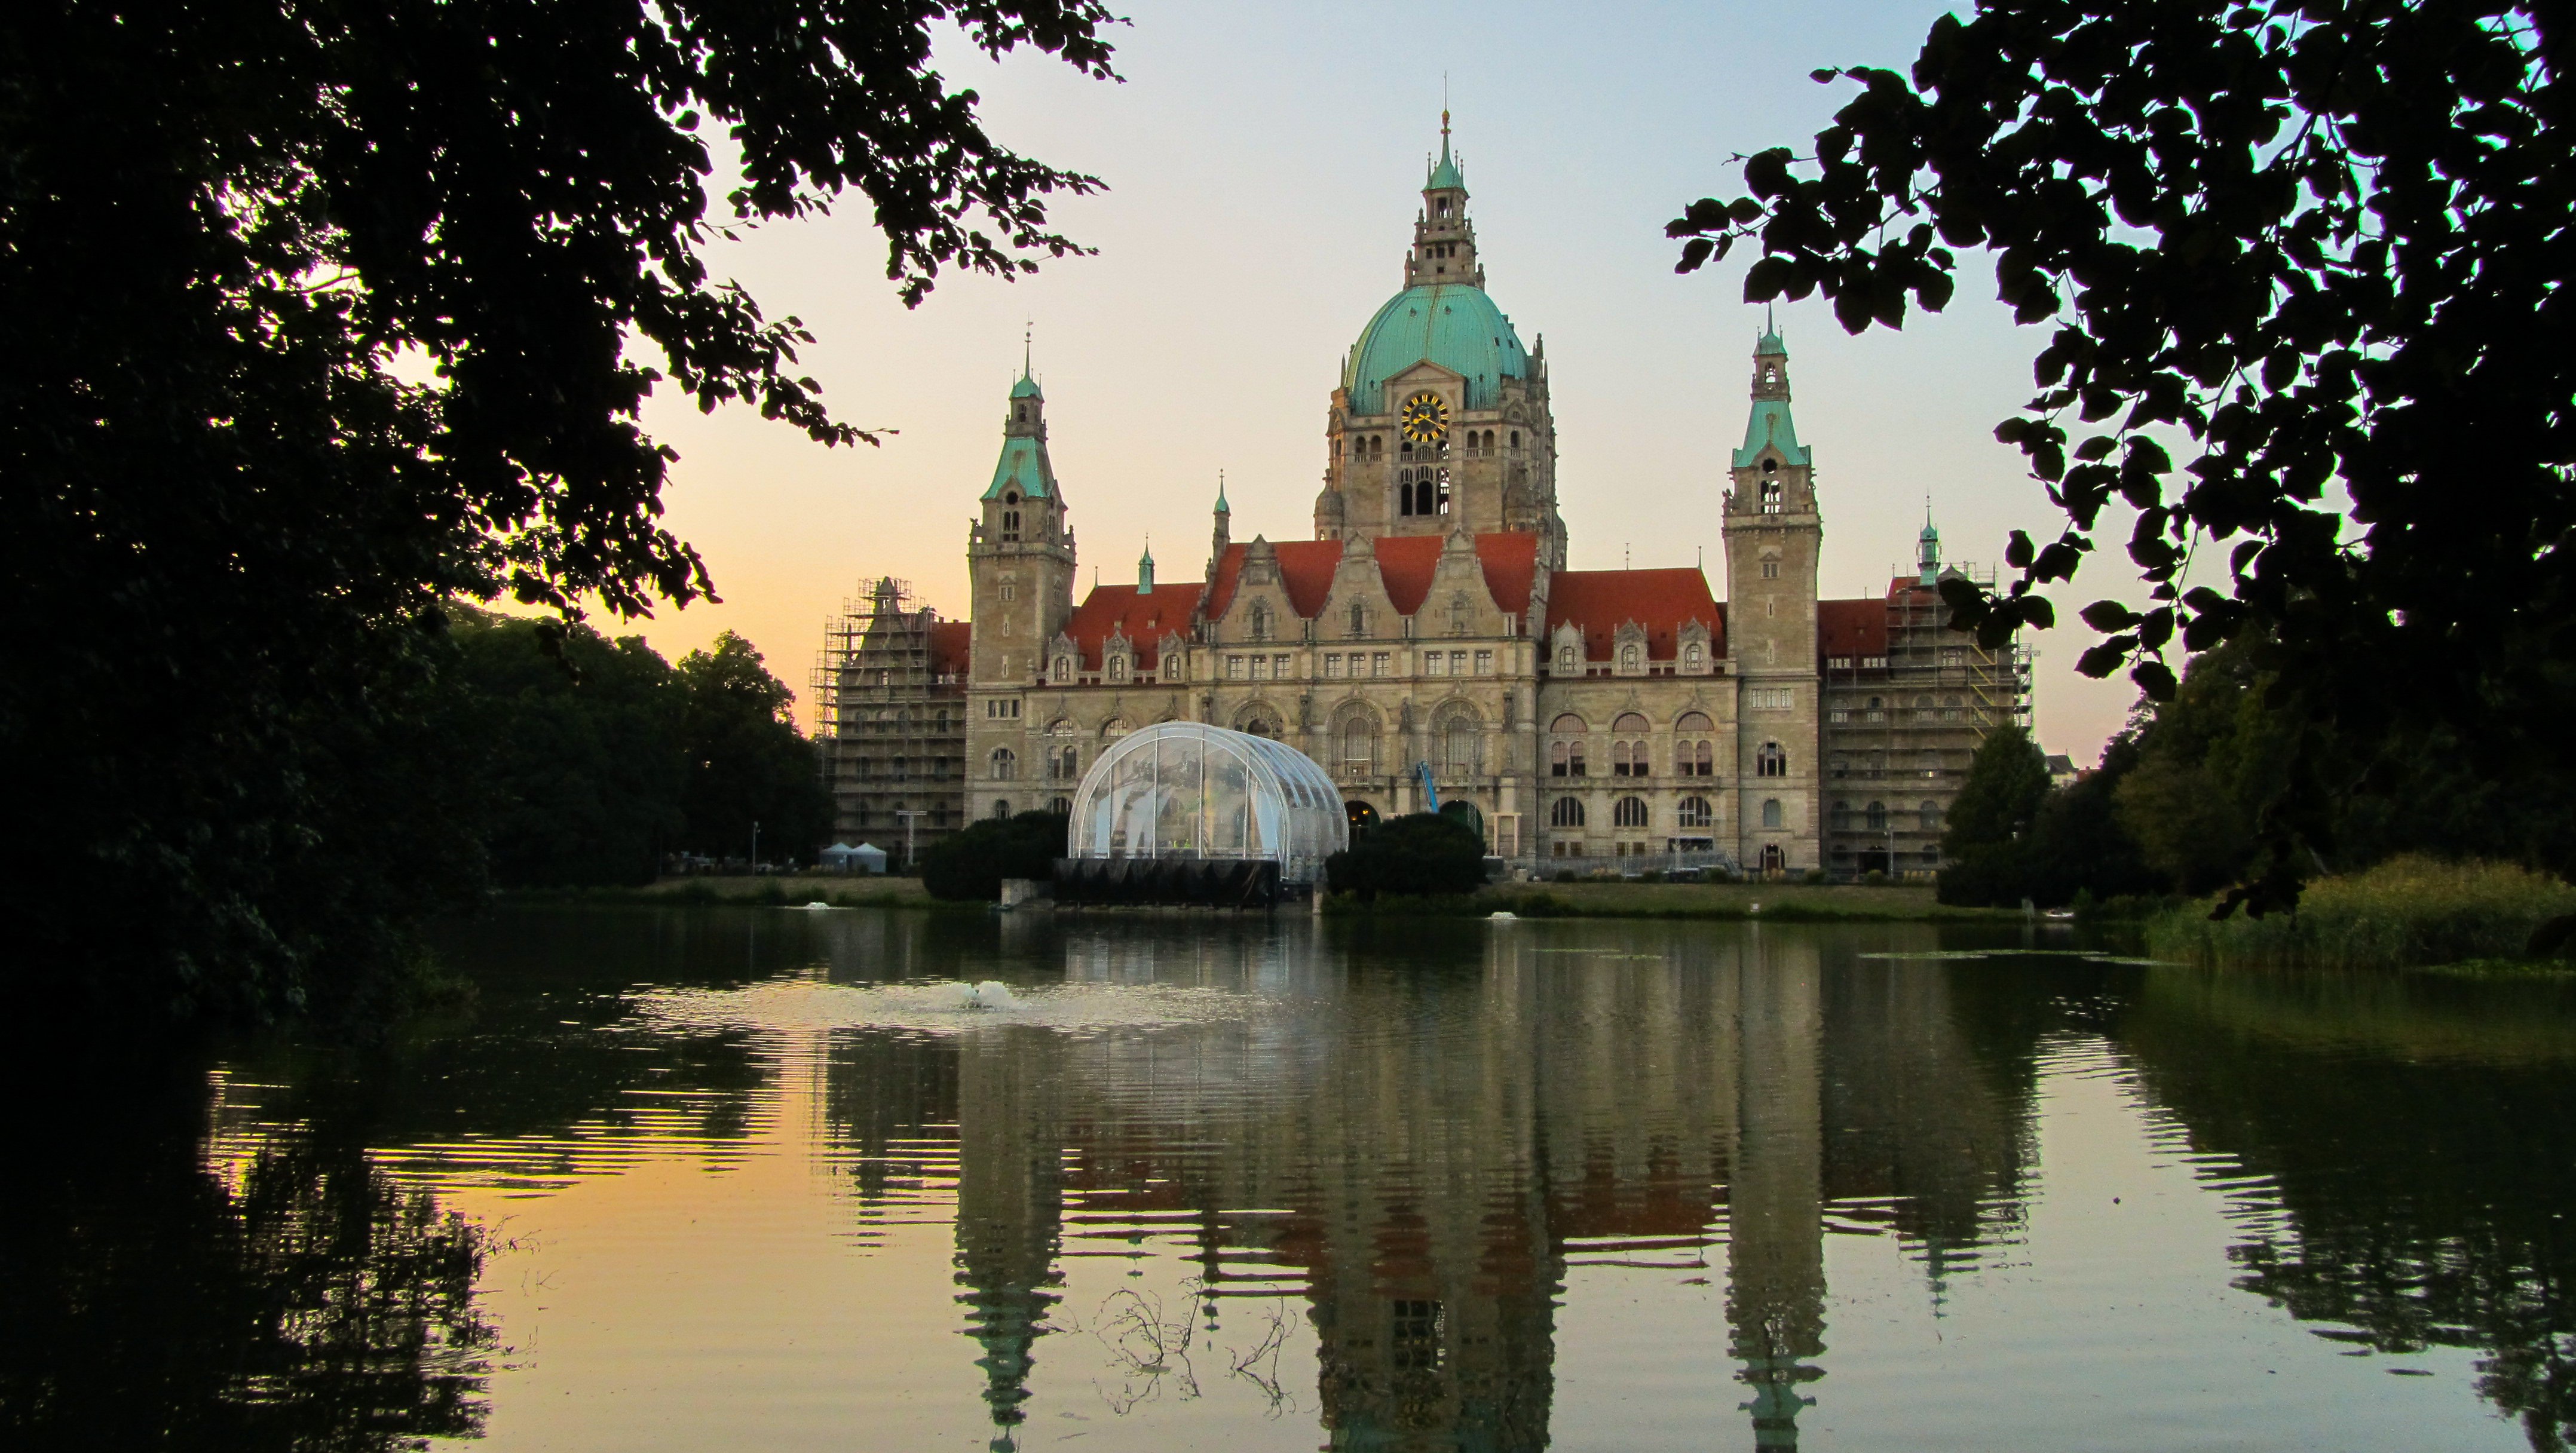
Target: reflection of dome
1450, 324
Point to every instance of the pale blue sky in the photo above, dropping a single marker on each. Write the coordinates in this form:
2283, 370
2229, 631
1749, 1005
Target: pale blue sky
1263, 167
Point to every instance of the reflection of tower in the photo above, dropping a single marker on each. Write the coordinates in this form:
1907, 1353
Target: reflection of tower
1010, 1188
1776, 1292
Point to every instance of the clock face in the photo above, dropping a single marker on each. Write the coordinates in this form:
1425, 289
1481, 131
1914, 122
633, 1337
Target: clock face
1425, 419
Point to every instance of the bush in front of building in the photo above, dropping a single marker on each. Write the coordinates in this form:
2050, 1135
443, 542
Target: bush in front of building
1421, 854
972, 864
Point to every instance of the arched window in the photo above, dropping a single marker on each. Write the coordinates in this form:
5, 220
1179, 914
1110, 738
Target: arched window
1693, 721
1516, 438
1060, 806
1629, 724
1063, 670
1774, 857
1112, 729
1565, 756
1618, 759
1568, 812
1001, 808
1565, 665
1628, 812
1930, 813
1010, 524
1771, 761
1770, 495
1694, 814
1005, 764
1771, 815
1260, 621
1359, 746
1464, 745
1841, 766
1118, 667
1878, 817
1703, 760
1842, 817
1359, 620
1690, 658
1627, 658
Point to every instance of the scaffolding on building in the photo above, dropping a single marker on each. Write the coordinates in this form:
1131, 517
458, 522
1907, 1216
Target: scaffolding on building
890, 715
1903, 726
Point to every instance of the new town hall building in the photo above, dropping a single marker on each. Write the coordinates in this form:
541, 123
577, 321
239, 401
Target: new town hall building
1588, 715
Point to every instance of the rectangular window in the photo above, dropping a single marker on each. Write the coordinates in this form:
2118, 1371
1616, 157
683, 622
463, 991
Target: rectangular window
1377, 664
1332, 663
1485, 667
1434, 664
1457, 663
1234, 668
1279, 667
1772, 698
1260, 668
1838, 715
1873, 663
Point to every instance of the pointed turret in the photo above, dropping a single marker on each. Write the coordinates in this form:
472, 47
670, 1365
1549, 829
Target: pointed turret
1444, 243
1927, 550
1223, 534
1145, 571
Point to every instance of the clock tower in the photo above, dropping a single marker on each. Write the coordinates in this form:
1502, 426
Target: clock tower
1441, 422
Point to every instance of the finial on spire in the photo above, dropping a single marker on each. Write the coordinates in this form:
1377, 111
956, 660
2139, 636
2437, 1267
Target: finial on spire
1221, 506
1028, 347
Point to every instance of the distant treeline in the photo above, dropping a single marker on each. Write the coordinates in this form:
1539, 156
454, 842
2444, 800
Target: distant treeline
2176, 805
589, 761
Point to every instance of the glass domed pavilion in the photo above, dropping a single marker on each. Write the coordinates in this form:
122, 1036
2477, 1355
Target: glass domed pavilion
1183, 792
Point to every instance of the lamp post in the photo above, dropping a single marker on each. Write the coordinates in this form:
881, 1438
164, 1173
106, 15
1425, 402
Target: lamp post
908, 814
755, 845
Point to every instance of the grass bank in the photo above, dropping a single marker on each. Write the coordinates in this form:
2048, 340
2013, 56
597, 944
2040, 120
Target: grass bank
1771, 902
2408, 912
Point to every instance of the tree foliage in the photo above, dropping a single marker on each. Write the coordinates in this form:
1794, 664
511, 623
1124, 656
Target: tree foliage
747, 762
2007, 780
321, 316
1420, 854
972, 863
591, 760
2327, 244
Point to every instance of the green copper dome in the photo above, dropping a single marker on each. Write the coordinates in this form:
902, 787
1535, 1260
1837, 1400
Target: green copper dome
1450, 324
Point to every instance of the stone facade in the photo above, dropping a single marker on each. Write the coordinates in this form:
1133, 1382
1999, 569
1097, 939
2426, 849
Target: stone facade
1431, 624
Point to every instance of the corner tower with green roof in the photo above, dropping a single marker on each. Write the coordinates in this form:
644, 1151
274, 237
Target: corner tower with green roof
1019, 555
1774, 538
1441, 422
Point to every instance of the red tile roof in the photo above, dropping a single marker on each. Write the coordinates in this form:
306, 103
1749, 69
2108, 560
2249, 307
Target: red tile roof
1306, 568
1599, 602
1852, 628
952, 645
1510, 560
1145, 617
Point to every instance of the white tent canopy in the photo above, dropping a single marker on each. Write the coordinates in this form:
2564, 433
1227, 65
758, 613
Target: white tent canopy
1183, 789
866, 857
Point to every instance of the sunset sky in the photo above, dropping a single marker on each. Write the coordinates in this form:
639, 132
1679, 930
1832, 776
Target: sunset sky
1263, 167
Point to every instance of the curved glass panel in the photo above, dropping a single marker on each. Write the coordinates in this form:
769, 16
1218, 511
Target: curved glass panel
1188, 790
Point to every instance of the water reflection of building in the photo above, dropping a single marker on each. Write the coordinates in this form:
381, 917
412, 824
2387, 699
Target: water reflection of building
1425, 1145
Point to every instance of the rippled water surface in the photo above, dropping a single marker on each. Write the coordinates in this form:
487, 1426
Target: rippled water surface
699, 1178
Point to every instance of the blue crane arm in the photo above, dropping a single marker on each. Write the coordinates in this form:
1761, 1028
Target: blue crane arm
1430, 793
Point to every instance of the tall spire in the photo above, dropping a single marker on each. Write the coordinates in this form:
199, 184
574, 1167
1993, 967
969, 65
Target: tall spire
1145, 569
1444, 242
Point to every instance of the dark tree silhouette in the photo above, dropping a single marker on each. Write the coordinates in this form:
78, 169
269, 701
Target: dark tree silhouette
2329, 244
321, 315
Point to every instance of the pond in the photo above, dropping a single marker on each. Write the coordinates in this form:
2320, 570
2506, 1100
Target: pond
704, 1177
